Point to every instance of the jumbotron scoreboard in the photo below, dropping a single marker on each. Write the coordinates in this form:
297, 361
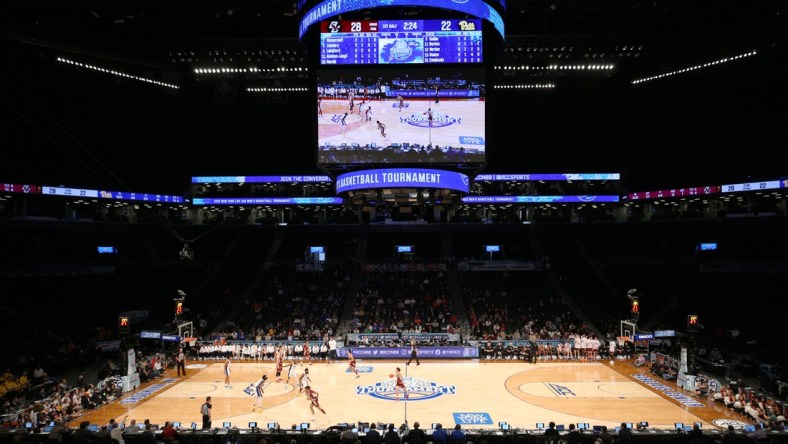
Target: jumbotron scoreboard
381, 42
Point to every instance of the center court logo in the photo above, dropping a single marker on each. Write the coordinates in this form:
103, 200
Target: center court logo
439, 120
419, 389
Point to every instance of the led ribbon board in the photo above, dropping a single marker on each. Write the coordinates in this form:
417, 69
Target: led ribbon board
21, 188
538, 199
753, 186
562, 176
268, 201
117, 195
402, 178
259, 179
675, 192
300, 4
143, 197
332, 8
709, 189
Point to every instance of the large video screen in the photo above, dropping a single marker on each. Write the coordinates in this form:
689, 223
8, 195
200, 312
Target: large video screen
371, 42
392, 115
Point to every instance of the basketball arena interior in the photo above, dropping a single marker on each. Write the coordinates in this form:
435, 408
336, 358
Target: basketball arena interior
356, 220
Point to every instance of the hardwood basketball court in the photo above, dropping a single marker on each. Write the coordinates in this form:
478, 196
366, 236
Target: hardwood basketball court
521, 394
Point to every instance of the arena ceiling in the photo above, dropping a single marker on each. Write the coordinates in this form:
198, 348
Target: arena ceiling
94, 124
643, 37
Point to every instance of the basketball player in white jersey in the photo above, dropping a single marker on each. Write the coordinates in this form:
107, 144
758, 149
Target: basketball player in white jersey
227, 373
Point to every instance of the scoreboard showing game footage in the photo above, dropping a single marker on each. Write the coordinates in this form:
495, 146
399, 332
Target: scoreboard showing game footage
371, 42
414, 115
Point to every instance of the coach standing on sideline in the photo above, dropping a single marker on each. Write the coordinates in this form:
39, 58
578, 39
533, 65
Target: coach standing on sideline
332, 350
